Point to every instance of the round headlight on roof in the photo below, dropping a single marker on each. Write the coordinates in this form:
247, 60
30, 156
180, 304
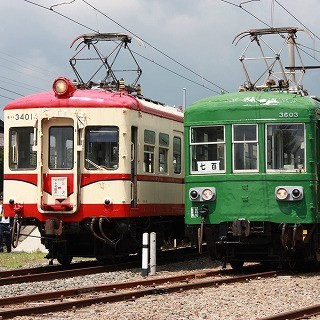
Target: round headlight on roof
281, 194
207, 194
63, 86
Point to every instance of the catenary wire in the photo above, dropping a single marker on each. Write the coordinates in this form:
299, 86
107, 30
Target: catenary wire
21, 95
296, 19
153, 47
177, 74
50, 9
6, 97
239, 6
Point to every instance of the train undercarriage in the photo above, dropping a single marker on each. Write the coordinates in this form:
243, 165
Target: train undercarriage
107, 240
242, 241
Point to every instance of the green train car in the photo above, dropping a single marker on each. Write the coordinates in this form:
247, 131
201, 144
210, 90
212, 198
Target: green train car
252, 166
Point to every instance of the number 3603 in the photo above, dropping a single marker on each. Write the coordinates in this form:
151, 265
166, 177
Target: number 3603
288, 114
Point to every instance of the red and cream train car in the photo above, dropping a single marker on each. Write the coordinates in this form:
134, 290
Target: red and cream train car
93, 169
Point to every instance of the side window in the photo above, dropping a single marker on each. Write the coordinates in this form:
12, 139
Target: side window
207, 148
245, 147
176, 155
286, 147
163, 152
102, 148
21, 156
61, 148
149, 145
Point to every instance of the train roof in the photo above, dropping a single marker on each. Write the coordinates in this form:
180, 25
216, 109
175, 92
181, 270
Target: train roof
250, 105
95, 98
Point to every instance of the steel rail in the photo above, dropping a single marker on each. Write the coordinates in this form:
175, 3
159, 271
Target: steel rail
131, 295
44, 269
61, 274
82, 269
302, 313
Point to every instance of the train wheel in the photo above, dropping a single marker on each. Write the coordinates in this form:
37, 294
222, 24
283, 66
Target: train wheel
64, 260
237, 265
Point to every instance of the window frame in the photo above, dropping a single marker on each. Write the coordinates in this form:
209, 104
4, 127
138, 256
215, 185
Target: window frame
281, 171
152, 145
11, 149
244, 142
191, 144
178, 164
50, 153
163, 148
103, 128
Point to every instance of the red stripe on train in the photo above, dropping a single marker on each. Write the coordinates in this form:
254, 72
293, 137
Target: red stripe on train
100, 210
88, 178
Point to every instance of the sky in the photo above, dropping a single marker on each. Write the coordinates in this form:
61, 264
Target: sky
185, 46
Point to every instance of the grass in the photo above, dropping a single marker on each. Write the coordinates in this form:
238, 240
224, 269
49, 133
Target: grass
22, 259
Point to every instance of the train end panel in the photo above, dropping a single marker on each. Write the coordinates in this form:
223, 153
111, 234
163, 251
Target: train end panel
256, 153
94, 169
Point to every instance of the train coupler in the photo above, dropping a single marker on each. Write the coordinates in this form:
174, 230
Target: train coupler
241, 227
290, 234
53, 227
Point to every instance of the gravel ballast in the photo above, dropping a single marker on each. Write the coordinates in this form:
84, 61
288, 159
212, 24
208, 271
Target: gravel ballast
253, 299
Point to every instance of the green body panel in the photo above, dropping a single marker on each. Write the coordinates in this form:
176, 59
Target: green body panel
245, 106
254, 198
251, 195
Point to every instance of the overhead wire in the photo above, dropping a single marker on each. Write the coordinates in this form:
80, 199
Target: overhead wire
153, 47
296, 19
240, 6
18, 94
20, 84
50, 9
28, 63
251, 14
177, 74
60, 14
6, 97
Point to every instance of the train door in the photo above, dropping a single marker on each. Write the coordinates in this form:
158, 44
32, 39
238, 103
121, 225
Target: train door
134, 144
58, 177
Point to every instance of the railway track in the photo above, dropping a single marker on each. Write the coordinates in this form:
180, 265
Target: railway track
72, 299
47, 273
303, 313
43, 275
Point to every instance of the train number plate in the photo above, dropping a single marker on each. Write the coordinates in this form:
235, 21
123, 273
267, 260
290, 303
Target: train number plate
59, 187
208, 166
194, 212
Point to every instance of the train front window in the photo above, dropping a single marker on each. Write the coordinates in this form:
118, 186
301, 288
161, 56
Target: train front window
207, 149
286, 147
61, 148
102, 148
21, 156
245, 147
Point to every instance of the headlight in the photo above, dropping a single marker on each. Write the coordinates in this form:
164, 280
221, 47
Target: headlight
63, 87
282, 194
201, 194
296, 193
60, 86
207, 194
289, 193
193, 194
